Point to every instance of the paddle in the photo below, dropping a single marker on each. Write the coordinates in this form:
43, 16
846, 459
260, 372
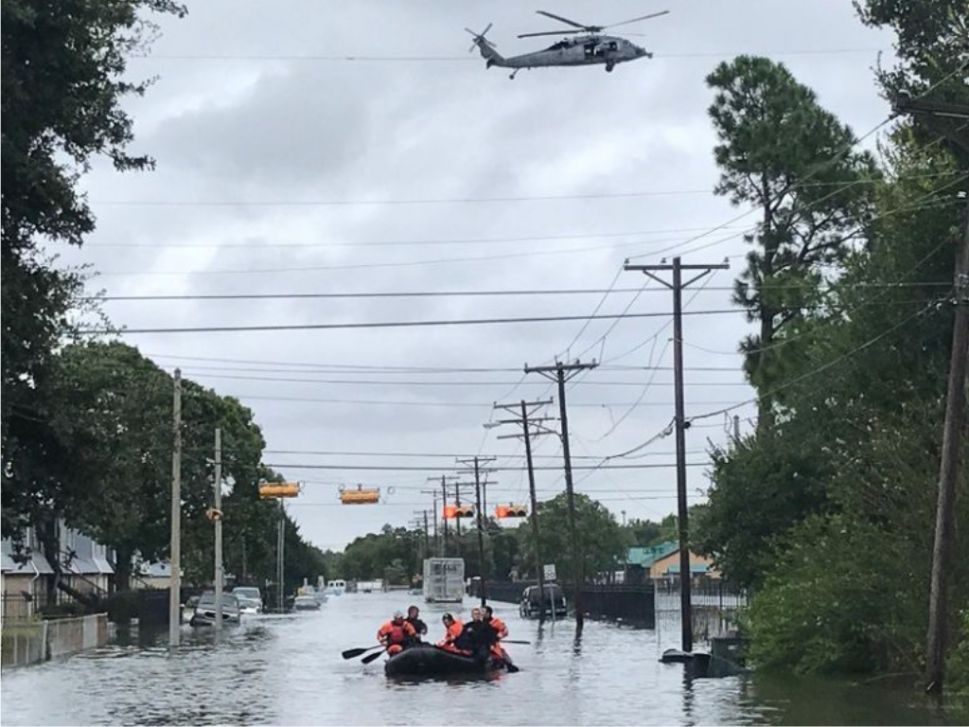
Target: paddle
351, 653
370, 657
510, 641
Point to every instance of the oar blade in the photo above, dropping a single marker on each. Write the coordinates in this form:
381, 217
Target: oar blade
351, 653
371, 657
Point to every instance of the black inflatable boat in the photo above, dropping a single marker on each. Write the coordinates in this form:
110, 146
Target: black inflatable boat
429, 660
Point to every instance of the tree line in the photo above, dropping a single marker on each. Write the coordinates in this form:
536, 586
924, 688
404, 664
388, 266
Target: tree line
396, 554
826, 512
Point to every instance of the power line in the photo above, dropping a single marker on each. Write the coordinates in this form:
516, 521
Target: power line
815, 371
379, 468
389, 324
394, 202
385, 369
331, 58
445, 404
394, 243
379, 382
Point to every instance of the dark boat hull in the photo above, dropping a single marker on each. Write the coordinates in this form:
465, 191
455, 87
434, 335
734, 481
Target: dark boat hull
427, 661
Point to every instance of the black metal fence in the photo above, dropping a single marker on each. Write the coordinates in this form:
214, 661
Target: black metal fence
715, 602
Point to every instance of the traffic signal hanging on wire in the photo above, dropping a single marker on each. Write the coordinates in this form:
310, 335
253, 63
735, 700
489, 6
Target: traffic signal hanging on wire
453, 512
360, 496
278, 489
510, 510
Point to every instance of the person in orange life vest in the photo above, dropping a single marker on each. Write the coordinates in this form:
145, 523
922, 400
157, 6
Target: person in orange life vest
395, 634
452, 630
501, 632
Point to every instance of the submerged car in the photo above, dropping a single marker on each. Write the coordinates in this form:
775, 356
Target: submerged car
250, 599
552, 601
306, 603
204, 614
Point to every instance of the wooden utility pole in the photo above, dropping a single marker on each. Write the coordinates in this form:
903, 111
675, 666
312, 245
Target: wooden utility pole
217, 519
948, 120
476, 462
527, 410
444, 510
280, 559
175, 579
561, 373
677, 286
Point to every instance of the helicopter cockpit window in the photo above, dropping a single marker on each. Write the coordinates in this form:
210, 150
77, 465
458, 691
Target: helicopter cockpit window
613, 45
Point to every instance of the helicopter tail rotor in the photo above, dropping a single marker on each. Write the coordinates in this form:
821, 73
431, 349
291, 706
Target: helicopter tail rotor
480, 37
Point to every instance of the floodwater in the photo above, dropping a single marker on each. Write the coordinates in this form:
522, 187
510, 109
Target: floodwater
288, 670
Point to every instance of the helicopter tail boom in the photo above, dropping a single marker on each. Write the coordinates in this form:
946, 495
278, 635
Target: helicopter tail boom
487, 48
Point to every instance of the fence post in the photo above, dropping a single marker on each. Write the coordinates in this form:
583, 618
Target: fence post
44, 654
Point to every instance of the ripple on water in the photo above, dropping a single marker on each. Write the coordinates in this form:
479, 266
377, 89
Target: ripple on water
288, 670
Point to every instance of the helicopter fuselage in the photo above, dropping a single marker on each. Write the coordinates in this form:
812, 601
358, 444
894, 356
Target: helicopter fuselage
576, 51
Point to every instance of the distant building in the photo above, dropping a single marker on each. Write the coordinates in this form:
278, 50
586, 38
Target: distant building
152, 575
663, 561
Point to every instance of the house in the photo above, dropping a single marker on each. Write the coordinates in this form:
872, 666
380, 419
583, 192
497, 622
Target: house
85, 567
23, 585
85, 562
663, 561
152, 575
639, 560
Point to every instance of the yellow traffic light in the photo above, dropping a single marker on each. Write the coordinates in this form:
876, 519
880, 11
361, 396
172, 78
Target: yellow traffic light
360, 496
278, 489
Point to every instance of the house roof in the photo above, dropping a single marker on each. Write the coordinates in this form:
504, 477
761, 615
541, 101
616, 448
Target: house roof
35, 560
645, 557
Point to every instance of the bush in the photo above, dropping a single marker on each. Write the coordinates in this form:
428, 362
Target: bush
958, 664
837, 601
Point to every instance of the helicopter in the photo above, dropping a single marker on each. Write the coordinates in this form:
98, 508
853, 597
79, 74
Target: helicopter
580, 50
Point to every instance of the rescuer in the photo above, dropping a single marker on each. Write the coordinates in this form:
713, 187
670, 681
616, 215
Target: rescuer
452, 631
413, 618
501, 631
396, 633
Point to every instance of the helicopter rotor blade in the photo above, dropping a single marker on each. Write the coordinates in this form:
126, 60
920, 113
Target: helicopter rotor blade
636, 20
564, 20
550, 32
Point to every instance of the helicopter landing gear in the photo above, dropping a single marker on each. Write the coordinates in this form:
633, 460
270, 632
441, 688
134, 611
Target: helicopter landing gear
512, 76
609, 67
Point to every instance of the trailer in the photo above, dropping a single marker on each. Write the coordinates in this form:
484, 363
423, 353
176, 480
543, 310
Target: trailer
443, 580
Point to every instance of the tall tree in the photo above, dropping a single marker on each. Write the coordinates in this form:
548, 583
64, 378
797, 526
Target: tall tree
62, 74
780, 151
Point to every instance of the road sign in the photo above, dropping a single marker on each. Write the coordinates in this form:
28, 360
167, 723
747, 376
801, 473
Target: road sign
549, 572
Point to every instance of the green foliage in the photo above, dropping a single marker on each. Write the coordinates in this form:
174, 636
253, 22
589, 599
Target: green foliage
62, 89
958, 664
781, 152
762, 487
598, 534
835, 601
829, 512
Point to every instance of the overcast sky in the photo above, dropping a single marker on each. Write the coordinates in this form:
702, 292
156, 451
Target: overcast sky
283, 167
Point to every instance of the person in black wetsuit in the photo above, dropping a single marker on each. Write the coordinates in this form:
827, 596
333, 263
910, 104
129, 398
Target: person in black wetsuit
413, 618
477, 637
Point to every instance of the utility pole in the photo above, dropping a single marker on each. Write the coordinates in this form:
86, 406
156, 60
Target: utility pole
175, 579
736, 429
476, 463
437, 536
217, 517
677, 286
942, 118
444, 510
427, 538
561, 373
280, 547
525, 421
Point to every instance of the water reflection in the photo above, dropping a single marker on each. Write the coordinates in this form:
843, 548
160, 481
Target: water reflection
288, 670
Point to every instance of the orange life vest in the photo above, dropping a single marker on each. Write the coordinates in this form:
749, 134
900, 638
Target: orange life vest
394, 633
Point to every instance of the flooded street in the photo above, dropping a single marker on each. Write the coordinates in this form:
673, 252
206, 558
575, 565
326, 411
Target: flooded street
288, 670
